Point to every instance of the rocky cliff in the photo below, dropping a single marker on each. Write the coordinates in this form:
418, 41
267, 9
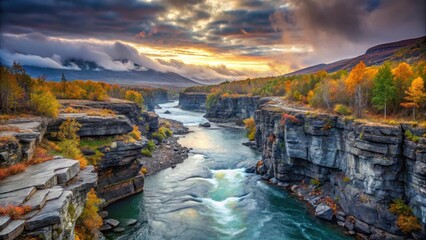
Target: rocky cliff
118, 166
193, 101
232, 109
56, 192
19, 139
362, 166
119, 170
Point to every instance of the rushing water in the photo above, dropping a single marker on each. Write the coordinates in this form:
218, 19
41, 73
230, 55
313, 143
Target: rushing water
209, 195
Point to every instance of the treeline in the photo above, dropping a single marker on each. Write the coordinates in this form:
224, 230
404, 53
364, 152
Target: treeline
19, 93
390, 89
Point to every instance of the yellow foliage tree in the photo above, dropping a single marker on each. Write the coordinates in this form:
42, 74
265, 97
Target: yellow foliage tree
44, 102
70, 141
354, 84
250, 126
415, 95
134, 96
89, 220
403, 73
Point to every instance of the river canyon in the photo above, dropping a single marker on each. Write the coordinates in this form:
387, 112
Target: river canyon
210, 195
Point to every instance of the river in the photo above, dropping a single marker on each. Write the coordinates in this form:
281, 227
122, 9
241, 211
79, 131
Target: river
209, 195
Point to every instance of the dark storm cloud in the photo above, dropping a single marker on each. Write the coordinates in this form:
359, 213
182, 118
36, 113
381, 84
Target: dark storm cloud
79, 17
236, 27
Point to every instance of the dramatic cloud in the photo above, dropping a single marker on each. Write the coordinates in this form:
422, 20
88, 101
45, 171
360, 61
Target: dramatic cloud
203, 39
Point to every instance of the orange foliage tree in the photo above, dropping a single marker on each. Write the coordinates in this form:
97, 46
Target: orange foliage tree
416, 95
89, 221
354, 83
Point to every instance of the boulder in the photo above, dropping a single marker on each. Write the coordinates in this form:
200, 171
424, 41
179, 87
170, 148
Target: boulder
167, 112
112, 222
205, 124
323, 211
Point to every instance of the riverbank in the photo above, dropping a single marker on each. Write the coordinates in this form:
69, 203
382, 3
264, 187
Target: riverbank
210, 194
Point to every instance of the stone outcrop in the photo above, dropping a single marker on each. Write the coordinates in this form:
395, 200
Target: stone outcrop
363, 165
121, 107
56, 192
232, 109
19, 139
119, 170
93, 126
193, 101
153, 97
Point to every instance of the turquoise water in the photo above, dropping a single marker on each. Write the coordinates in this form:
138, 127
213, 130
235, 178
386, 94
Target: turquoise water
210, 196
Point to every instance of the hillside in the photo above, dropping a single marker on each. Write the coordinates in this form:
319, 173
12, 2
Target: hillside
409, 50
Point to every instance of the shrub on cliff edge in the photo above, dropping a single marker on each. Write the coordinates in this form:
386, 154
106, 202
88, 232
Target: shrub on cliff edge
89, 221
250, 126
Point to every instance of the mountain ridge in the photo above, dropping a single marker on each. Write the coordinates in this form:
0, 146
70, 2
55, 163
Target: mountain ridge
408, 50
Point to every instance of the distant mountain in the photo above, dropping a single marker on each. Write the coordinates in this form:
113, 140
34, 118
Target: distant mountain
137, 76
410, 51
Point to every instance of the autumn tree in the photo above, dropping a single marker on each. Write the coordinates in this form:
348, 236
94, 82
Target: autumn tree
44, 102
89, 221
135, 96
70, 141
24, 81
403, 73
63, 84
384, 92
11, 94
415, 95
354, 84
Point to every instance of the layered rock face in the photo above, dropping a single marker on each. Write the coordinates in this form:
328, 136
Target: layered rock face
93, 126
193, 101
56, 192
119, 167
153, 97
229, 109
119, 170
364, 166
20, 138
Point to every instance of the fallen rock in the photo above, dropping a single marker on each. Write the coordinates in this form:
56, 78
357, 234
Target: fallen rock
251, 169
131, 222
118, 230
103, 214
206, 124
362, 227
112, 222
105, 227
323, 211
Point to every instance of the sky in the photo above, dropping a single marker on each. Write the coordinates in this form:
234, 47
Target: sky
202, 39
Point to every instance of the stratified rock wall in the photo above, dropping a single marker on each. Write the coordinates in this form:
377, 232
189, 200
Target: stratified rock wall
119, 170
56, 192
231, 109
363, 165
193, 101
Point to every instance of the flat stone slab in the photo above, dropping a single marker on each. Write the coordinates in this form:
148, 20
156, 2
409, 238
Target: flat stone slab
41, 175
50, 214
131, 222
17, 197
118, 230
4, 221
112, 222
105, 227
38, 199
13, 230
54, 193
